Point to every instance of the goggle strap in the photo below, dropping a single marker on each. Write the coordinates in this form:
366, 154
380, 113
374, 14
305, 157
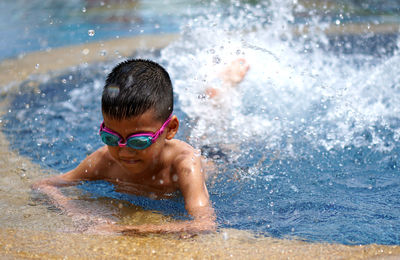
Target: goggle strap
161, 131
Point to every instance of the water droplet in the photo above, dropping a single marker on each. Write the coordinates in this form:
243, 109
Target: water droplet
153, 177
83, 9
89, 147
103, 53
91, 32
216, 59
161, 182
37, 66
337, 22
85, 51
64, 81
156, 26
175, 177
201, 96
27, 106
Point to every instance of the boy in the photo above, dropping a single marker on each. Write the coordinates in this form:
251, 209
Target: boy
140, 155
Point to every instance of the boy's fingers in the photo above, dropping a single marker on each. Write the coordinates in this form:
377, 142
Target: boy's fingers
130, 231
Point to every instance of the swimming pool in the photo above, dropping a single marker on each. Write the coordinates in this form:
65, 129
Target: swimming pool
309, 150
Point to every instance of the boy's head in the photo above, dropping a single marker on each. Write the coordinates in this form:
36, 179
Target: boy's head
136, 86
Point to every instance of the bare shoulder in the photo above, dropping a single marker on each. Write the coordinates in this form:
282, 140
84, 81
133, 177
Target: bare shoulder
93, 167
98, 159
182, 151
186, 162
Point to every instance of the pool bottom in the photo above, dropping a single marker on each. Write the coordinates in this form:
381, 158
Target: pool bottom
30, 230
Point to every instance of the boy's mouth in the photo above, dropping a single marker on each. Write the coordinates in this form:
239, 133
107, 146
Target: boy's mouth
129, 161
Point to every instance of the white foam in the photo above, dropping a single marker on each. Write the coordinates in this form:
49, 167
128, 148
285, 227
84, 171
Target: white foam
327, 99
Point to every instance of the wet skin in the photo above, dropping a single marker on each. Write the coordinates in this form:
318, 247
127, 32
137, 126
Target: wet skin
168, 165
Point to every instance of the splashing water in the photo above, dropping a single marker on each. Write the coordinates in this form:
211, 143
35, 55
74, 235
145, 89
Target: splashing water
295, 88
308, 128
306, 146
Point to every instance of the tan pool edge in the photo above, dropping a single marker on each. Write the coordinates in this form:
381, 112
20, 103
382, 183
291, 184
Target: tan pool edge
17, 70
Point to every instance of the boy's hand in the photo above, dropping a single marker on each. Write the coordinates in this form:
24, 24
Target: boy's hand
94, 220
88, 223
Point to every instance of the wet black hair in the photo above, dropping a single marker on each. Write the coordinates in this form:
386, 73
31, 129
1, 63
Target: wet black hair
136, 86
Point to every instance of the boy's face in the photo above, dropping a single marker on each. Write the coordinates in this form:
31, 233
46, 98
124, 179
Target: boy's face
137, 161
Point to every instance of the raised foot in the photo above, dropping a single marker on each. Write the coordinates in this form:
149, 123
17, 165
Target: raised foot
235, 72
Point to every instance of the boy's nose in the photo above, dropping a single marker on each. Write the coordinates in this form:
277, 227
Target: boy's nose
125, 150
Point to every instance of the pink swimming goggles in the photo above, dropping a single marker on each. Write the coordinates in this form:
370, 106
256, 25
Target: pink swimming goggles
136, 141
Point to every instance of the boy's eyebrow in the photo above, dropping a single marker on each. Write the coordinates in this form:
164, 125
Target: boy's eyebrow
139, 132
131, 133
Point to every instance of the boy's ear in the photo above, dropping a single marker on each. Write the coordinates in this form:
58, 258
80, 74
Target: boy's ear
173, 127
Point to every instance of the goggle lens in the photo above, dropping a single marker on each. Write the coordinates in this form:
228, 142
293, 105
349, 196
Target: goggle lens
109, 139
139, 142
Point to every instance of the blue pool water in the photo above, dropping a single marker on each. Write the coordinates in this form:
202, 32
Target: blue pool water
41, 25
308, 148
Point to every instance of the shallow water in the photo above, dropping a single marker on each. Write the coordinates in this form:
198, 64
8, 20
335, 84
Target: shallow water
308, 149
29, 230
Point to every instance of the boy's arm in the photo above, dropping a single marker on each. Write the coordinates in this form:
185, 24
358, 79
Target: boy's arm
191, 182
191, 179
192, 185
86, 170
